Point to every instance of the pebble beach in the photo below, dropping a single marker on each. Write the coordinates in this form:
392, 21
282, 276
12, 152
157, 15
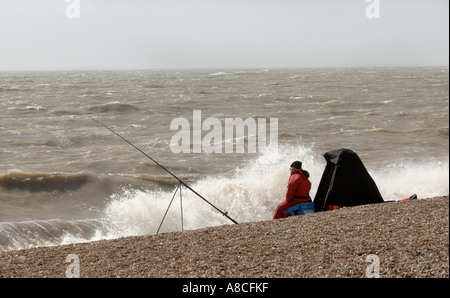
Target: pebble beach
397, 239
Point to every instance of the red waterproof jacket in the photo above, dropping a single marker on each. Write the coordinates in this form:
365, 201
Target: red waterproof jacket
298, 187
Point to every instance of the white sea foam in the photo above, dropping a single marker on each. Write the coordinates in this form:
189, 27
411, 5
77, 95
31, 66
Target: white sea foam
253, 191
400, 180
45, 130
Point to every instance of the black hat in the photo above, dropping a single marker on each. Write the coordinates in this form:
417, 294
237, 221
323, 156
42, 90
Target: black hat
297, 164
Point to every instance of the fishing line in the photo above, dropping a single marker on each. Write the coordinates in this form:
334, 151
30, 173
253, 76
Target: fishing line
165, 169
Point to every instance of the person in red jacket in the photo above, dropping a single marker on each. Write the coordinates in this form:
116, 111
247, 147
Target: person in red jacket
297, 190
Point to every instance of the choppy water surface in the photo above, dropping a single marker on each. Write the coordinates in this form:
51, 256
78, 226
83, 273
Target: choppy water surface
64, 178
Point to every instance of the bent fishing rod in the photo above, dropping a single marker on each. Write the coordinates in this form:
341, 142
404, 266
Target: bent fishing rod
165, 169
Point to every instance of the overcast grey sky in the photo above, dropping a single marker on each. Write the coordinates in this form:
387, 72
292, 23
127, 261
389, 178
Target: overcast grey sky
146, 34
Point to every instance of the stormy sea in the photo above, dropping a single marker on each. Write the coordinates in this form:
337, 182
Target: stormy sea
70, 170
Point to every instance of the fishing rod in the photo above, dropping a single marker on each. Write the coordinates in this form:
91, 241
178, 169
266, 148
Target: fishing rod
165, 169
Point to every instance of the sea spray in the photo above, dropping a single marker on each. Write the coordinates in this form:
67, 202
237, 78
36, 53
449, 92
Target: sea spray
253, 191
400, 180
249, 193
364, 109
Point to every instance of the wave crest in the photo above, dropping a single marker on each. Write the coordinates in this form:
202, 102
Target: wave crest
35, 181
115, 107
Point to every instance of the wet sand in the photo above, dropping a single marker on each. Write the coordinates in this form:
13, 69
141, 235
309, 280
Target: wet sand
402, 239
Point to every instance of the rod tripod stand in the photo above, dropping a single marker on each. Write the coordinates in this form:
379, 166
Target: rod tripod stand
181, 207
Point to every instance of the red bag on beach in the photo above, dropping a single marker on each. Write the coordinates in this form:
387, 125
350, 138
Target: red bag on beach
332, 207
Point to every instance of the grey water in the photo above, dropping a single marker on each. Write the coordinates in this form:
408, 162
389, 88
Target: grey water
64, 178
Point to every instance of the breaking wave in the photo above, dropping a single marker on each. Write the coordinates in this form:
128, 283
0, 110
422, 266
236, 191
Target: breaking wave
29, 234
250, 193
253, 191
34, 181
